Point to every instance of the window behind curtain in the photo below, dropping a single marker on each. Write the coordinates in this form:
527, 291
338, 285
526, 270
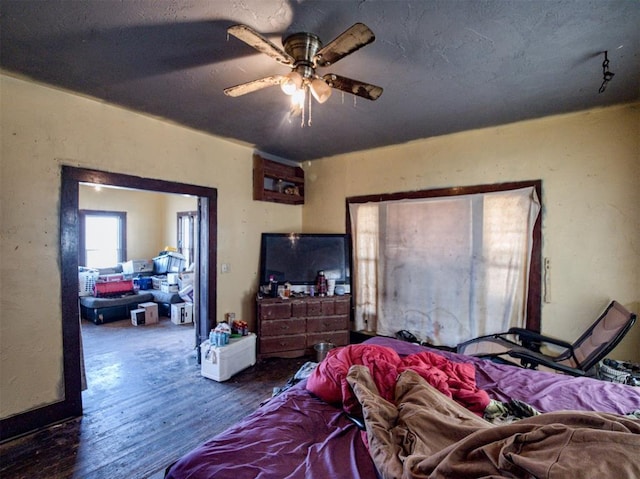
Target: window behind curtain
187, 221
103, 238
445, 268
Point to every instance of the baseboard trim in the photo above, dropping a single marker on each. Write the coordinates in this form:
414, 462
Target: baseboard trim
29, 421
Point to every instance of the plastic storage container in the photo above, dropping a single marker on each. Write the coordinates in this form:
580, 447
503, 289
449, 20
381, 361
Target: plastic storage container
106, 289
221, 362
168, 263
87, 282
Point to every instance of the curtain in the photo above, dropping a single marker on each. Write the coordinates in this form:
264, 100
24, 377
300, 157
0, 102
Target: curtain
446, 269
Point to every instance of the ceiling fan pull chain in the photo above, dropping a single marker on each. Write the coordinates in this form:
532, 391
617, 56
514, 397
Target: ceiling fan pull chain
309, 120
606, 74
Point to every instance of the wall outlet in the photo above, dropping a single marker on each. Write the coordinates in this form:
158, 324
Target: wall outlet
225, 268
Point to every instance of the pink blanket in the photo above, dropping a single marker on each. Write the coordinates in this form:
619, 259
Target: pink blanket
455, 380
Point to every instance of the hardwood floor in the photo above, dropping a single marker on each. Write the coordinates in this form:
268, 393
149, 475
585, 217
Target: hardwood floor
145, 406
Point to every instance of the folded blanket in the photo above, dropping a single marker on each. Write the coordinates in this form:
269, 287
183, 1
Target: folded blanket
455, 380
426, 434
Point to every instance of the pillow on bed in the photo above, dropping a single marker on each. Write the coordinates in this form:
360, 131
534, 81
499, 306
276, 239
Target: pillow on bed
329, 380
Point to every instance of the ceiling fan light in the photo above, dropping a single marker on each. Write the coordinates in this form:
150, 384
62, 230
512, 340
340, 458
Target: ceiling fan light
298, 97
320, 90
292, 83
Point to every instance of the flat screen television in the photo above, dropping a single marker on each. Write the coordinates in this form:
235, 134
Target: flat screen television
297, 258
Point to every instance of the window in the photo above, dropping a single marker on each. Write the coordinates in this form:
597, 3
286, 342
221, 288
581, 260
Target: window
187, 221
103, 238
446, 267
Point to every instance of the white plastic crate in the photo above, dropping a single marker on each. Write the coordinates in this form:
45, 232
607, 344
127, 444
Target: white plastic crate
87, 282
221, 362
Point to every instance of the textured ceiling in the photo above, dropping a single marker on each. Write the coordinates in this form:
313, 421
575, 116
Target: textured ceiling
445, 66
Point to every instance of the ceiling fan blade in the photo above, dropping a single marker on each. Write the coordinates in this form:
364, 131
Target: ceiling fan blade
352, 39
355, 87
260, 43
254, 85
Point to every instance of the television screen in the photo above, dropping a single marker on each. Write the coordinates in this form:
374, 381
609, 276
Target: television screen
297, 258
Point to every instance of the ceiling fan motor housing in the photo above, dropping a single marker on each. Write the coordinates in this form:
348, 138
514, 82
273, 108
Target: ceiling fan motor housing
303, 48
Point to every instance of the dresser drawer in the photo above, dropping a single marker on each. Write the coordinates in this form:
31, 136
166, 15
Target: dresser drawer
314, 307
343, 305
274, 310
298, 309
339, 338
280, 327
323, 323
274, 344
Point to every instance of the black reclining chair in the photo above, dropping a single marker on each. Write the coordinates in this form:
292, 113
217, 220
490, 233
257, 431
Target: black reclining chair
576, 359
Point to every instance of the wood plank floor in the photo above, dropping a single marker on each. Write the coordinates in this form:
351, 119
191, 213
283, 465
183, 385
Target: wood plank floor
145, 406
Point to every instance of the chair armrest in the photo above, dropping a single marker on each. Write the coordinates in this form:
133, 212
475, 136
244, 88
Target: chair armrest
536, 359
533, 337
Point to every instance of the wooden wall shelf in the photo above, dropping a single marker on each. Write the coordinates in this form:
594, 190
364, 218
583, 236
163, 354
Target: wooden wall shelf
276, 182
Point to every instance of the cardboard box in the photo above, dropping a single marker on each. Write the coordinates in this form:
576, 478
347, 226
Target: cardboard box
185, 279
182, 313
137, 266
138, 317
165, 287
221, 362
150, 312
156, 281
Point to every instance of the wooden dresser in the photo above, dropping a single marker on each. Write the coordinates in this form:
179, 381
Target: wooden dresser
289, 328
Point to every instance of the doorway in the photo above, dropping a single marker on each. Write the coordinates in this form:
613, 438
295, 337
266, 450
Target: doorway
206, 281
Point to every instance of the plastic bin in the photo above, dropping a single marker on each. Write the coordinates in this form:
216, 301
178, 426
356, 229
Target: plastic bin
168, 263
113, 288
221, 362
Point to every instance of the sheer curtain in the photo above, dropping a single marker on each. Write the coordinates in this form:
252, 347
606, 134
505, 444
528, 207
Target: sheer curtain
447, 268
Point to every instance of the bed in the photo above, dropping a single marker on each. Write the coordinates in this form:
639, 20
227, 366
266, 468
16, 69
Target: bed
298, 435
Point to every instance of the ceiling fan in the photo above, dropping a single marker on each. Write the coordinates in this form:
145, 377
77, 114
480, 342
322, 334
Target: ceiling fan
304, 53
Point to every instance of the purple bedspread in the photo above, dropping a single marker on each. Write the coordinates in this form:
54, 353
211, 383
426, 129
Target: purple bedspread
545, 391
296, 435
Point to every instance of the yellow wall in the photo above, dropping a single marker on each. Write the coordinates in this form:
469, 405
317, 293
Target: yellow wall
145, 216
151, 217
43, 128
589, 163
